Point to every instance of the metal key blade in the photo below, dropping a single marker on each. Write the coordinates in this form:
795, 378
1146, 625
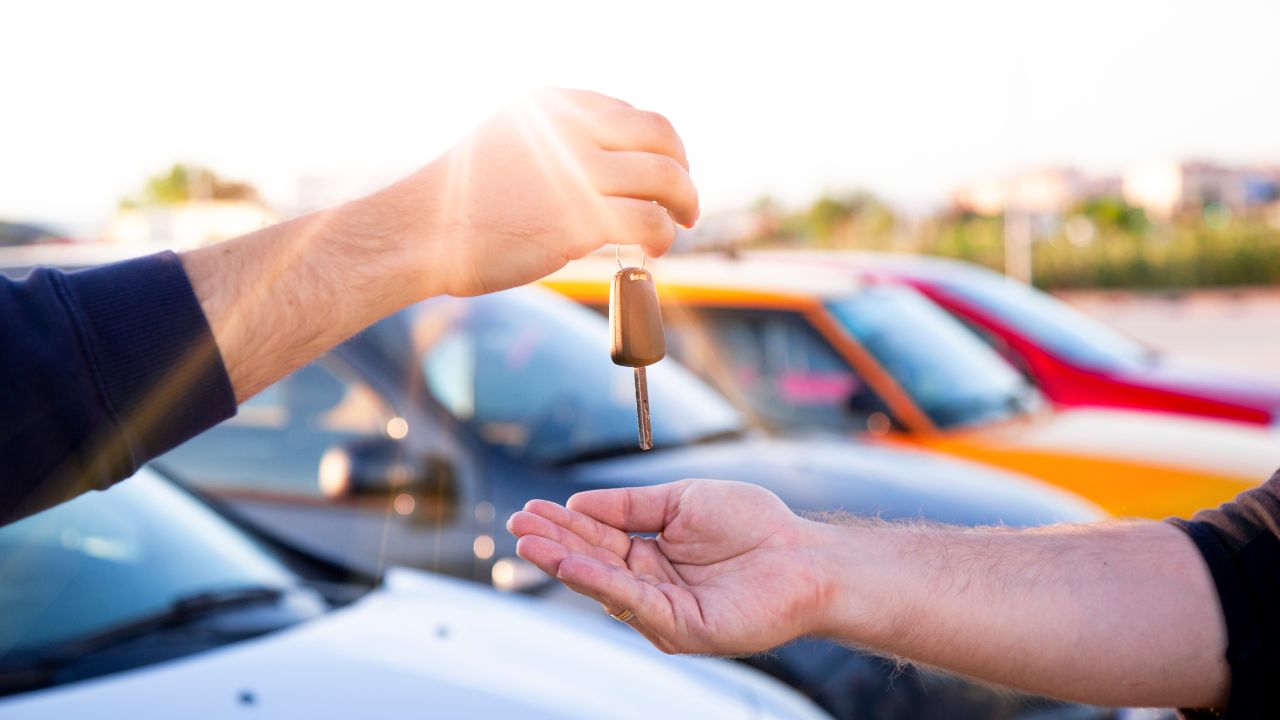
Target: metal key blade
642, 409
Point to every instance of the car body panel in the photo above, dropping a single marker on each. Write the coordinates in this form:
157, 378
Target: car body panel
1156, 383
825, 474
863, 478
425, 644
1134, 464
812, 474
1159, 385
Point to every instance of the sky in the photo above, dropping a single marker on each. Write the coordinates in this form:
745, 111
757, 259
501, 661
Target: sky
319, 100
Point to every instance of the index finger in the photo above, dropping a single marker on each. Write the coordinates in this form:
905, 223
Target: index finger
590, 531
640, 509
626, 128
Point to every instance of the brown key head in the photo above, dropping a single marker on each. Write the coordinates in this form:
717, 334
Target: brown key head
635, 320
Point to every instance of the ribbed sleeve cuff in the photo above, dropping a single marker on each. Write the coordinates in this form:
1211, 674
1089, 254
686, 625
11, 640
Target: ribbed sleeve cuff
151, 352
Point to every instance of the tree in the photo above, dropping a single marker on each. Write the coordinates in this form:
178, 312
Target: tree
852, 218
1114, 213
190, 182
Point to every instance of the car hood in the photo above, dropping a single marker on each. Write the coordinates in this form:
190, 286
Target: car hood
837, 474
1208, 382
1131, 463
1178, 442
426, 645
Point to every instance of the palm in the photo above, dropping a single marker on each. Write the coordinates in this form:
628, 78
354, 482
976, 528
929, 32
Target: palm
728, 572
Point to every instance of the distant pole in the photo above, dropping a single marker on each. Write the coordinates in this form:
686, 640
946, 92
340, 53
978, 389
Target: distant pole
1017, 244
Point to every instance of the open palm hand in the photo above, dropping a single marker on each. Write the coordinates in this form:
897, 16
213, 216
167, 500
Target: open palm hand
731, 571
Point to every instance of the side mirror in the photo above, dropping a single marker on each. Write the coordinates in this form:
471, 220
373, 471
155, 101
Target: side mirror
865, 407
880, 424
382, 468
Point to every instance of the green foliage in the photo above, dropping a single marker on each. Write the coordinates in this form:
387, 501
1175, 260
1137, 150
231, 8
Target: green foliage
974, 238
857, 219
1114, 213
183, 183
1120, 248
1241, 252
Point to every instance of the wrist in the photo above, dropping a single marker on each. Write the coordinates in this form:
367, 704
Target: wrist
851, 581
380, 245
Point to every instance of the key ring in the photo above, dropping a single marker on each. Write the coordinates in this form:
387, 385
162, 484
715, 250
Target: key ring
617, 254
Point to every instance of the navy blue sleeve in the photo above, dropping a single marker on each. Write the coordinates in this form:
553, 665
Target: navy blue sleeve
100, 371
1240, 542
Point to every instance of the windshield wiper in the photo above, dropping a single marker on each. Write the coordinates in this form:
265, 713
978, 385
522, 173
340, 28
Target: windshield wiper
26, 671
599, 452
717, 436
1025, 399
631, 447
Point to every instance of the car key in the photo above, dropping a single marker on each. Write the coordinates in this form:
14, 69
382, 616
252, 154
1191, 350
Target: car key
635, 325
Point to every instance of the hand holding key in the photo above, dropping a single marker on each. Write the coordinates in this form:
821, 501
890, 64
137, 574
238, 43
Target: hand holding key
547, 180
635, 326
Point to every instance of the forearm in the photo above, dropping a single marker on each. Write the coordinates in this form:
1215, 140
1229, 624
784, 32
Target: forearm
496, 211
1118, 614
279, 297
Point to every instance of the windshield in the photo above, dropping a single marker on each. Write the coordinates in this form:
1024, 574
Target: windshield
1049, 322
108, 558
950, 374
529, 372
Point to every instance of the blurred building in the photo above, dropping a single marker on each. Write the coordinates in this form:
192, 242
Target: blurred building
1166, 189
187, 224
1040, 191
1163, 189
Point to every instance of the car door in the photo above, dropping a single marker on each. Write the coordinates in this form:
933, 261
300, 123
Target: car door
265, 463
779, 364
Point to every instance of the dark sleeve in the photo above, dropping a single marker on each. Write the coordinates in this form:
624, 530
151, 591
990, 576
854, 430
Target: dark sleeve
100, 371
1240, 542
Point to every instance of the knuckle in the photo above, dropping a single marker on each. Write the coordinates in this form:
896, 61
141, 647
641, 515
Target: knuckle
665, 171
658, 124
655, 221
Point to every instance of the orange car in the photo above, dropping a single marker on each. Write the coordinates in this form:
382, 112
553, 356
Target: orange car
808, 349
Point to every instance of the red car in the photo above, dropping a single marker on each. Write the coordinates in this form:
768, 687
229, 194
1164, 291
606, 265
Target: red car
1075, 359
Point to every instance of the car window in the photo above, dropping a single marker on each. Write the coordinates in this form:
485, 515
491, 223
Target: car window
108, 557
781, 364
1047, 321
949, 373
529, 372
22, 234
276, 440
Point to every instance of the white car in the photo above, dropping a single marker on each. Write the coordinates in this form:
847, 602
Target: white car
142, 602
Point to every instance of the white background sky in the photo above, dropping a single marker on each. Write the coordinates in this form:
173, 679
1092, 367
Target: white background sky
905, 97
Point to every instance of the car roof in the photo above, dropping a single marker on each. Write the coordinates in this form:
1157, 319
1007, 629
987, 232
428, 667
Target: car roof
18, 261
721, 272
868, 264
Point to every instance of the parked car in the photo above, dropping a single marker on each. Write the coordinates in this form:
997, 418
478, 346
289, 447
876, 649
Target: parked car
412, 443
429, 429
16, 233
815, 347
142, 602
1074, 359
